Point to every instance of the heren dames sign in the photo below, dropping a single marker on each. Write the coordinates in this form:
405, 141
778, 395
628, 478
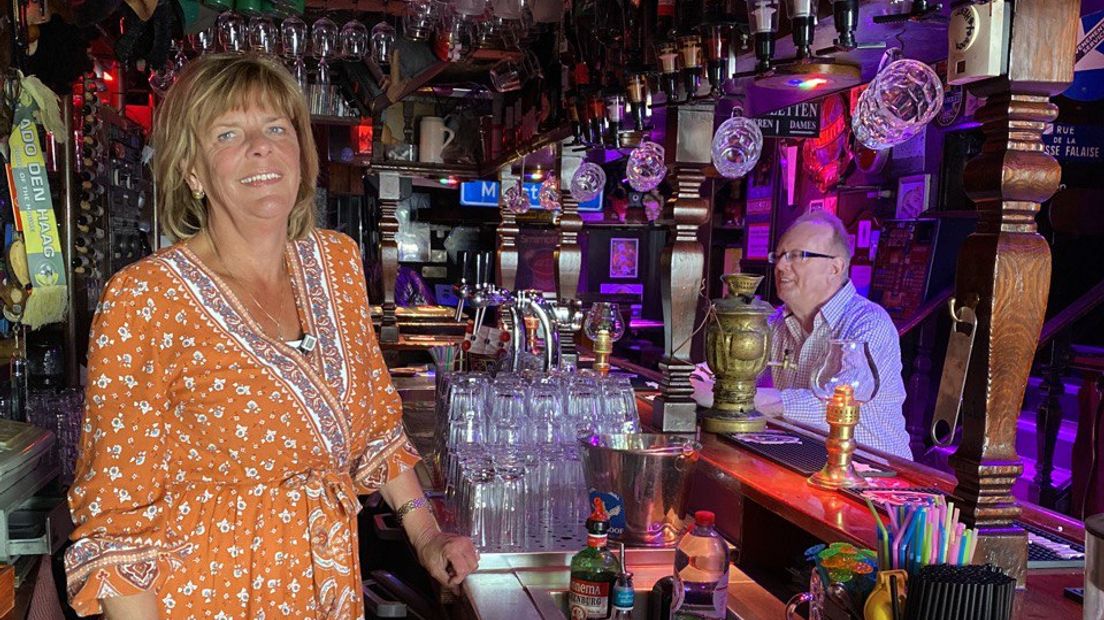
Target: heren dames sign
796, 121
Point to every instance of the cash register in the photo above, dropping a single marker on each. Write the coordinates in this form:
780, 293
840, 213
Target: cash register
33, 519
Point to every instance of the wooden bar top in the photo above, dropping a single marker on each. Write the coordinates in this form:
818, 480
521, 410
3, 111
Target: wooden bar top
834, 516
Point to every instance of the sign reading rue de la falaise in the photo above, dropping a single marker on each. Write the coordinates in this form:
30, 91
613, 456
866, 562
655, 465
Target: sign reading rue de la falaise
801, 120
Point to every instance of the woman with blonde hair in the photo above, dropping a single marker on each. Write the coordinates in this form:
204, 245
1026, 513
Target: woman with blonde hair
237, 399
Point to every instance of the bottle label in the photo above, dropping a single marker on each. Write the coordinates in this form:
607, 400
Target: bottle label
596, 541
623, 598
589, 599
615, 508
665, 8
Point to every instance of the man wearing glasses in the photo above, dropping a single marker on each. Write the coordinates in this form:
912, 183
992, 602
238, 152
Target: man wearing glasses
811, 266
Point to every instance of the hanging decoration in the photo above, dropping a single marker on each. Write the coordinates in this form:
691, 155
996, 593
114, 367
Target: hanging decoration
737, 146
646, 168
588, 181
902, 99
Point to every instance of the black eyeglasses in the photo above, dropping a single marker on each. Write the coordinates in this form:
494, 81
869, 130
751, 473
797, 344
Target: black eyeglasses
795, 256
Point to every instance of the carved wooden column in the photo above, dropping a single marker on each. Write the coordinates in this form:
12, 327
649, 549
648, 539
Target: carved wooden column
682, 264
569, 254
1005, 265
390, 193
506, 256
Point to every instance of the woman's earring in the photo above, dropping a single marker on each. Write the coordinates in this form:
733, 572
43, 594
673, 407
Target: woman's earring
198, 194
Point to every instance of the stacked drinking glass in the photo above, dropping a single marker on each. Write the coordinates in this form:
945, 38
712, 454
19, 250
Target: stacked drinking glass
512, 473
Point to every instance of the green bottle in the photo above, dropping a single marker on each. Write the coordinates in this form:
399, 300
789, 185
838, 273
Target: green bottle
593, 570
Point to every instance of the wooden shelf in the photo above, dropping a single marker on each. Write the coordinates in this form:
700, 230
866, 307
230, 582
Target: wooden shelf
540, 141
318, 119
623, 225
423, 169
488, 170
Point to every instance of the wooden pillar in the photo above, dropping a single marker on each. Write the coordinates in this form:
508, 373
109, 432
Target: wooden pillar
506, 256
682, 264
569, 254
1005, 265
390, 193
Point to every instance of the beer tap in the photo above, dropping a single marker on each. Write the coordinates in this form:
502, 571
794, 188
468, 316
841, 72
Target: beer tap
533, 302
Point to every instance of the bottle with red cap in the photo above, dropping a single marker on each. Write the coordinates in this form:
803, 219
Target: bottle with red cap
701, 572
594, 571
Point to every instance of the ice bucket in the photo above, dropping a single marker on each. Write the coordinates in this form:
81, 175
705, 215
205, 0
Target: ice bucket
1094, 568
641, 478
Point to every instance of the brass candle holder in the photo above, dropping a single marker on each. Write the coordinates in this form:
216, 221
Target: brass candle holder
737, 344
604, 326
842, 413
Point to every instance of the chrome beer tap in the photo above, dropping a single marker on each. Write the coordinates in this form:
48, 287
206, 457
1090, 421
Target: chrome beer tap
569, 317
533, 302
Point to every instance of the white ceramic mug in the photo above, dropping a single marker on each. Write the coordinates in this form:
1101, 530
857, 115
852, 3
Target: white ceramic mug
432, 139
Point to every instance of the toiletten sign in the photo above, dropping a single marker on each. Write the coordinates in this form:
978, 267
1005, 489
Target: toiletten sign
801, 120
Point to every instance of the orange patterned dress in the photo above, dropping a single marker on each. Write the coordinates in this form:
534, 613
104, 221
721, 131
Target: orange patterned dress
219, 468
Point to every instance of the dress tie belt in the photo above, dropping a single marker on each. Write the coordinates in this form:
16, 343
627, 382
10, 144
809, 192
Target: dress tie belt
331, 486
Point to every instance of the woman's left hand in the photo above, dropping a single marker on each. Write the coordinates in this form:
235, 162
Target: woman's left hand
449, 558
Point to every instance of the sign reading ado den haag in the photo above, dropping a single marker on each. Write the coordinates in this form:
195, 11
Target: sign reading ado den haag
801, 120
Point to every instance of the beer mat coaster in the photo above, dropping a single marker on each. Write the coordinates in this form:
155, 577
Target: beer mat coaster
797, 452
1045, 550
884, 497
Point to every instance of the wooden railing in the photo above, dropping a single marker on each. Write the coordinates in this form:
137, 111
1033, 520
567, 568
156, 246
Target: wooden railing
930, 307
1068, 316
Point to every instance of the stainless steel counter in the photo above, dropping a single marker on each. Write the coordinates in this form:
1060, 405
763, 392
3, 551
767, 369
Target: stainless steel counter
523, 586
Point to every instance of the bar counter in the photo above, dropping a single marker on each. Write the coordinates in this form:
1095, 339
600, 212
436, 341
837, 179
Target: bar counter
771, 515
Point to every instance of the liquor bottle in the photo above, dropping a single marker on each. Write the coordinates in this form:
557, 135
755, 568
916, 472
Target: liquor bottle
623, 596
701, 572
593, 571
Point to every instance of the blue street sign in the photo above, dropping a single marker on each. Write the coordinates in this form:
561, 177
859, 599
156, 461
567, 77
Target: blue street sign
485, 194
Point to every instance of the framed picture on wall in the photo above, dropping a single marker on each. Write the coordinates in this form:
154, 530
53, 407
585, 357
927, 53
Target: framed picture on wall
624, 257
913, 193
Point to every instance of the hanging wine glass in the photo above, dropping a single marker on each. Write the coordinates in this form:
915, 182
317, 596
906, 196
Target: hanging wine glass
160, 81
293, 40
549, 194
202, 41
262, 34
517, 201
231, 31
420, 19
324, 36
293, 37
354, 40
588, 181
179, 57
737, 146
646, 169
455, 37
381, 43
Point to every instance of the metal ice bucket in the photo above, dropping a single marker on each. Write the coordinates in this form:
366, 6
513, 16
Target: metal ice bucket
641, 478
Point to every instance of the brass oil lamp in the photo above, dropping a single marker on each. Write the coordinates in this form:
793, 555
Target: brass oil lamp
846, 379
737, 345
842, 413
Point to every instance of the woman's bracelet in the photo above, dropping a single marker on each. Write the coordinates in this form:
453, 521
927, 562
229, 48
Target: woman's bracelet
411, 506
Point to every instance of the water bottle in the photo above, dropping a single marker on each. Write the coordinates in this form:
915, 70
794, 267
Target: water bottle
701, 572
